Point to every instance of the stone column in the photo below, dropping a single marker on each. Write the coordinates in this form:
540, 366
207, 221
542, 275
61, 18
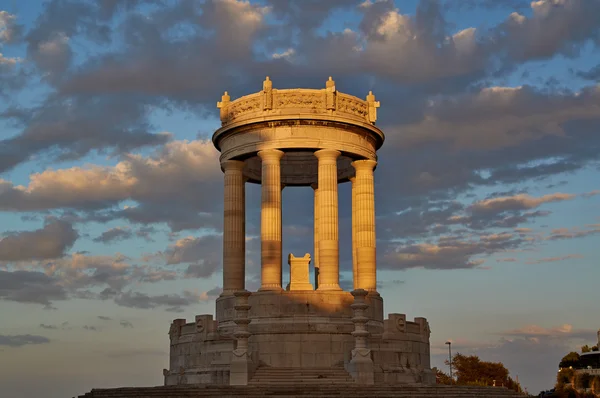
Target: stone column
270, 219
234, 228
315, 188
354, 259
241, 364
361, 364
364, 202
328, 220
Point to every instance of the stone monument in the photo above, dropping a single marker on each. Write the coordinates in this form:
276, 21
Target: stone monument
304, 138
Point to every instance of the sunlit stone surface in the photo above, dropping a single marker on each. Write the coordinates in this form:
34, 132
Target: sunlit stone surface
313, 138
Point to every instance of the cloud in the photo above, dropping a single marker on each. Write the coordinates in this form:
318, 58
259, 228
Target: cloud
202, 253
9, 29
554, 259
573, 233
189, 168
172, 302
47, 243
114, 234
591, 194
565, 330
22, 339
447, 253
90, 328
44, 326
515, 203
126, 324
30, 287
104, 318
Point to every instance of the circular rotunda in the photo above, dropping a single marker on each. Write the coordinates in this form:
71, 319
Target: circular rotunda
314, 138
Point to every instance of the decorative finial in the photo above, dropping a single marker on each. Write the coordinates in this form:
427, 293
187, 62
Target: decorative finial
372, 106
267, 95
222, 105
330, 83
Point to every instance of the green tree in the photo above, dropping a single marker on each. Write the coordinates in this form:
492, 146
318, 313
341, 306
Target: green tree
470, 370
564, 376
585, 349
595, 348
595, 385
582, 380
441, 377
571, 359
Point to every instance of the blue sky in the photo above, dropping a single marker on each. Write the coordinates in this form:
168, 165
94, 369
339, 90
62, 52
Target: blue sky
487, 188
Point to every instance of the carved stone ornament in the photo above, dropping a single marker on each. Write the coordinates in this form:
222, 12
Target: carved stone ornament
401, 324
200, 325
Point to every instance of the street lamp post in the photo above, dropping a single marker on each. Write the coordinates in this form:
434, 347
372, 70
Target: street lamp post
450, 358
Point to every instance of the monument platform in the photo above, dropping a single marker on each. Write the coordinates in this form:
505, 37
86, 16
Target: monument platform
295, 390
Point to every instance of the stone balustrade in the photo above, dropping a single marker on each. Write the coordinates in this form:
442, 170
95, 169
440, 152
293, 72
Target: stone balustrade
275, 102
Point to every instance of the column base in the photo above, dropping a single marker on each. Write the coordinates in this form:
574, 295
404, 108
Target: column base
240, 368
361, 367
335, 287
267, 288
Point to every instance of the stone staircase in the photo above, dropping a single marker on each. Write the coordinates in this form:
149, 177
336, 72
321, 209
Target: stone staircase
266, 375
304, 391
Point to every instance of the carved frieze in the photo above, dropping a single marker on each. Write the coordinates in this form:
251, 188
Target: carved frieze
351, 105
299, 99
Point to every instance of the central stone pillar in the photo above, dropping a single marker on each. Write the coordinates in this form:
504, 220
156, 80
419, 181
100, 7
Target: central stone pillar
329, 276
364, 226
234, 227
270, 219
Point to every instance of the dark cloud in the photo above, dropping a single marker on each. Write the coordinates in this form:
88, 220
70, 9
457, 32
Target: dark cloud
173, 302
47, 243
30, 287
44, 326
447, 252
203, 253
114, 234
22, 339
104, 318
70, 129
592, 74
90, 328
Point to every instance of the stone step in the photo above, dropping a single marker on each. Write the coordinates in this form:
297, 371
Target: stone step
299, 390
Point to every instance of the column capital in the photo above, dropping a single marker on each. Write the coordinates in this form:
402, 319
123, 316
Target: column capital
270, 155
364, 164
327, 154
314, 186
233, 165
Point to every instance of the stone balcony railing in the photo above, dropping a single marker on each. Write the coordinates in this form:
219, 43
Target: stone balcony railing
272, 102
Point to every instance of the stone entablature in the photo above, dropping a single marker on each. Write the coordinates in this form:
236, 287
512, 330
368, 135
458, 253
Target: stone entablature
298, 122
288, 103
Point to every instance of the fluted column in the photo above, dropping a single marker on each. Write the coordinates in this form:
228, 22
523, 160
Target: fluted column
364, 204
270, 219
328, 220
315, 188
354, 259
234, 228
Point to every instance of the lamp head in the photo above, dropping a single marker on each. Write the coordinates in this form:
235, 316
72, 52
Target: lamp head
448, 342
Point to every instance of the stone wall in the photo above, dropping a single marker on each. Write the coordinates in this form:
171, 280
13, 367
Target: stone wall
299, 329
